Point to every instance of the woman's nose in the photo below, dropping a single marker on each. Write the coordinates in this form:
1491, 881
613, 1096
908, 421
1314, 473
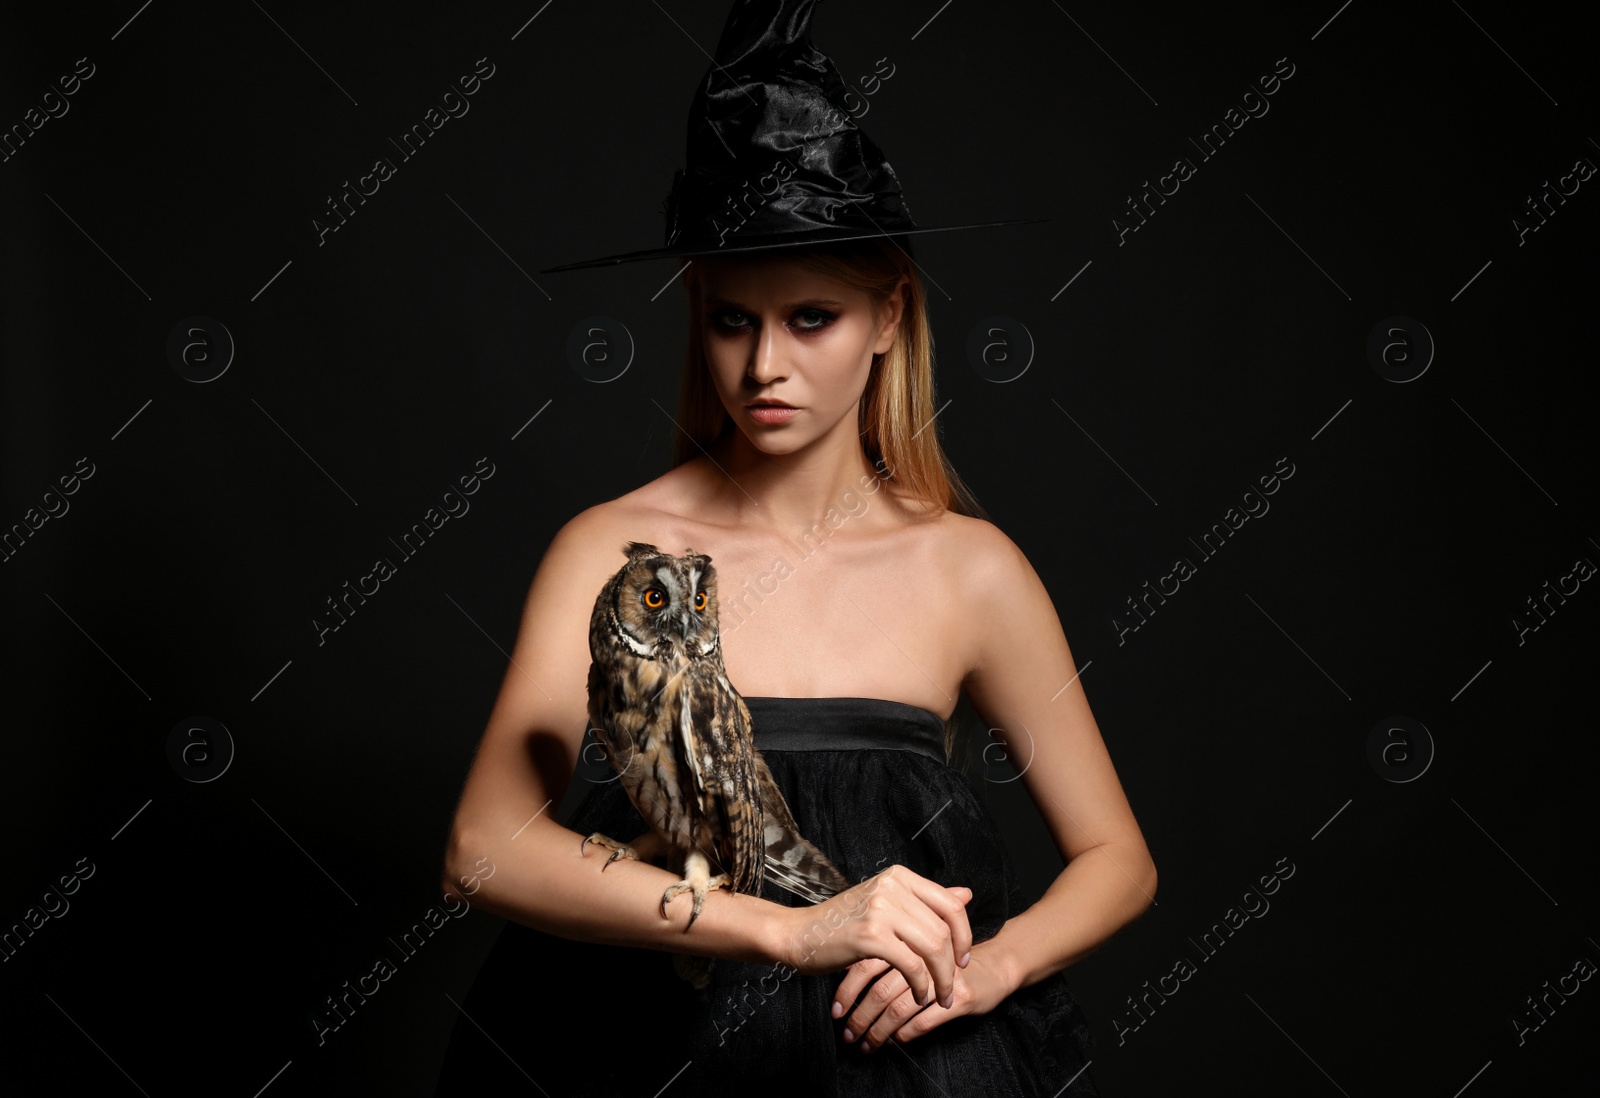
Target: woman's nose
765, 364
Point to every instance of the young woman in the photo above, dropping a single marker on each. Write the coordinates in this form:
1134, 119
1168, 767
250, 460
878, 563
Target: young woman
860, 594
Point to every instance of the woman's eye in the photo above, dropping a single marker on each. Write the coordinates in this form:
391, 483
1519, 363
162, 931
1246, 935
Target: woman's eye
821, 319
810, 320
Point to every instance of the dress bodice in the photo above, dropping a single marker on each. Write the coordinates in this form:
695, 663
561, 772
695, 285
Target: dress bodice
844, 723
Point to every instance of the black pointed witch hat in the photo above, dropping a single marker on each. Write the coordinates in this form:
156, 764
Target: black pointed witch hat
775, 158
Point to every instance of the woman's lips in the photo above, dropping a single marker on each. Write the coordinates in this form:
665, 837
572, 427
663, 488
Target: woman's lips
771, 413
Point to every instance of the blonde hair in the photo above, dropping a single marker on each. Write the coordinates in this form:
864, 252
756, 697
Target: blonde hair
897, 426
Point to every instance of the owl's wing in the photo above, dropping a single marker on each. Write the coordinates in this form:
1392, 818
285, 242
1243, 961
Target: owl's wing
792, 861
715, 748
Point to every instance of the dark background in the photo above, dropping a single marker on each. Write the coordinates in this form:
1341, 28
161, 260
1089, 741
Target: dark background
1179, 366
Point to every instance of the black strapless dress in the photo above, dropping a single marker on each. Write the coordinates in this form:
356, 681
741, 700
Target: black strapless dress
867, 783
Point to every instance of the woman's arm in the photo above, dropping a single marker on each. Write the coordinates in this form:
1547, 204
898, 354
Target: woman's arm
522, 864
1023, 683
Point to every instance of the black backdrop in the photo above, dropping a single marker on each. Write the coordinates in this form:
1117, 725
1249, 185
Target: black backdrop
1354, 285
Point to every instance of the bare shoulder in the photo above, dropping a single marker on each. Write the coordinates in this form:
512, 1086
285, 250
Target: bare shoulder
987, 557
592, 540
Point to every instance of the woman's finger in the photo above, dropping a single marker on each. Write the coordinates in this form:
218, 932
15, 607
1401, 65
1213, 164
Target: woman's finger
899, 1010
950, 904
925, 931
908, 962
856, 978
885, 990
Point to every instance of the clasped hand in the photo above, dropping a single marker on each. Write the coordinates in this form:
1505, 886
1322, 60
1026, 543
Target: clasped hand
909, 938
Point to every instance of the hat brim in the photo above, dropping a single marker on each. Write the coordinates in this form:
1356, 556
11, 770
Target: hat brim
784, 240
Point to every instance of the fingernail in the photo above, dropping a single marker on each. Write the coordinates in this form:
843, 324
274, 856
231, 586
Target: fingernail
947, 1000
848, 1036
865, 1047
838, 1010
965, 957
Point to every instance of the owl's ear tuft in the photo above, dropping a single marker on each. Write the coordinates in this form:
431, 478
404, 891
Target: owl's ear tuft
699, 558
636, 549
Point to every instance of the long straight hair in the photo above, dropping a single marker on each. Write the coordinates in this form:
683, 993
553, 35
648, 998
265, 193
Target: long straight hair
897, 426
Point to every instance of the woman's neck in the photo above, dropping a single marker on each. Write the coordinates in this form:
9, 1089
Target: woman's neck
792, 491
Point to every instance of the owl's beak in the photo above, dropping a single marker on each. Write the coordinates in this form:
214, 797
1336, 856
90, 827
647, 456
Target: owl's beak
683, 624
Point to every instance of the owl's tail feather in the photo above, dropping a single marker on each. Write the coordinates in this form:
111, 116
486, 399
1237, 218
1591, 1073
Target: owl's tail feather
797, 866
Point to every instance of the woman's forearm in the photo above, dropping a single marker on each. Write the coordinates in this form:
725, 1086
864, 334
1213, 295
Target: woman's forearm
539, 879
1098, 893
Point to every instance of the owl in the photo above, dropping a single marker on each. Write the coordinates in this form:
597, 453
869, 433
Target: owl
679, 736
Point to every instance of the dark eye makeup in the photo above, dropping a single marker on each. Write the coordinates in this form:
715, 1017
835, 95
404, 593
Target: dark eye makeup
816, 320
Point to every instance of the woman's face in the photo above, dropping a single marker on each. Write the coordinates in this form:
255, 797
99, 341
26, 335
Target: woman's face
774, 331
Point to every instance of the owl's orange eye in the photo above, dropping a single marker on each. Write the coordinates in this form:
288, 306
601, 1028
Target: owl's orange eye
700, 600
652, 598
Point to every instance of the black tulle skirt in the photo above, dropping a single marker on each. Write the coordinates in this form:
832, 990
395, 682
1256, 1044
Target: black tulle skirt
867, 783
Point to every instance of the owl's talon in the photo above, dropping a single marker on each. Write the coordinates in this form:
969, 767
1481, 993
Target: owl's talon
699, 887
618, 850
